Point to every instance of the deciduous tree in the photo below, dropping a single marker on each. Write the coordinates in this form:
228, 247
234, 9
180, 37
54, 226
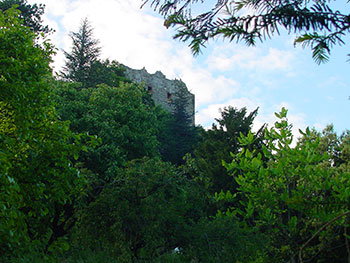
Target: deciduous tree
37, 174
296, 197
145, 212
127, 127
106, 72
31, 14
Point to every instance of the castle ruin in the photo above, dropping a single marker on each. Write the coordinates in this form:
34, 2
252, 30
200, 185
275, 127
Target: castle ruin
162, 89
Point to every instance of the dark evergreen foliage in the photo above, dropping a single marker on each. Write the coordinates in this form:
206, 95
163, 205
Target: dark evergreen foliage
316, 23
85, 52
181, 135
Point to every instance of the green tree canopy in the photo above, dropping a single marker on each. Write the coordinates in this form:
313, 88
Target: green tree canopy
297, 197
317, 23
37, 174
117, 115
31, 14
106, 72
145, 212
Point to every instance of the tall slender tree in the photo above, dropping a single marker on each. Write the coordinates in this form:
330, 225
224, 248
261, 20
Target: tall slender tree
84, 53
180, 135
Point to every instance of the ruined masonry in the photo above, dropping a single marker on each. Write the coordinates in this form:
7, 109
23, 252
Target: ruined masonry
162, 89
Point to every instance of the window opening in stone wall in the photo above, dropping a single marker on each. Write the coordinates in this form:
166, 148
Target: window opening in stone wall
149, 89
169, 97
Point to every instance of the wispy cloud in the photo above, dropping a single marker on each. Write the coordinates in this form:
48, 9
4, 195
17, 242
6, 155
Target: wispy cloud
227, 57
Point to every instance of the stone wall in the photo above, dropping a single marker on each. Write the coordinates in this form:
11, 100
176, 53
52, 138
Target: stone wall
162, 89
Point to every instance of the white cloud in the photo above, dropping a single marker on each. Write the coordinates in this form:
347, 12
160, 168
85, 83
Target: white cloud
209, 89
226, 57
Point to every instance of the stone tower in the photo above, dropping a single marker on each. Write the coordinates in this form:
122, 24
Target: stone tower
162, 89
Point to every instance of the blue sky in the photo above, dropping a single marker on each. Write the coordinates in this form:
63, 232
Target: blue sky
270, 75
